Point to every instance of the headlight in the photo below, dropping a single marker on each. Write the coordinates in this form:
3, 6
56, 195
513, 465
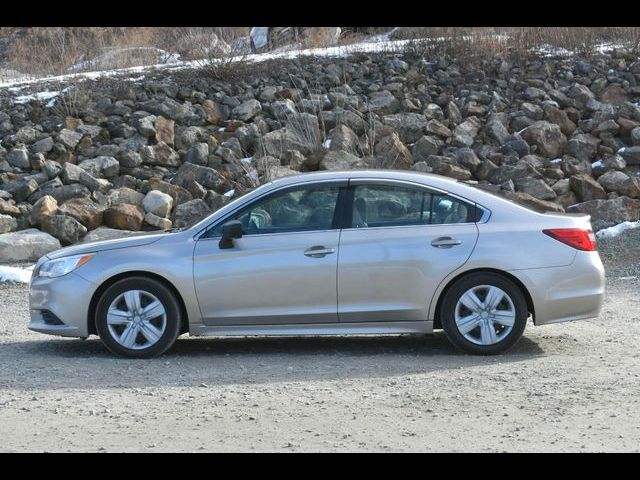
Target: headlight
61, 266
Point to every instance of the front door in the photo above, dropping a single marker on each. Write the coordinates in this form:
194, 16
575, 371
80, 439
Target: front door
283, 270
403, 241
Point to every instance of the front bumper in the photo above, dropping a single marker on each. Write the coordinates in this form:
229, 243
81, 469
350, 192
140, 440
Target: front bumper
66, 298
564, 294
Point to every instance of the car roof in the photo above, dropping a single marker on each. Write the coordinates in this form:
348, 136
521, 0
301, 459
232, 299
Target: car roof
428, 179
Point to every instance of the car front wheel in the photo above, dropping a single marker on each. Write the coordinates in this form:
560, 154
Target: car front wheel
138, 317
484, 313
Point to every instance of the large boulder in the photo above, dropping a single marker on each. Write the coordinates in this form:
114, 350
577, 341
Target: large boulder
124, 217
606, 213
66, 229
631, 155
547, 137
84, 210
26, 245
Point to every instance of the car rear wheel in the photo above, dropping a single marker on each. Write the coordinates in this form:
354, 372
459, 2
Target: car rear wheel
484, 313
138, 317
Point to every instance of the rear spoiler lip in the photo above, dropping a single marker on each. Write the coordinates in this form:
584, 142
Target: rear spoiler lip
586, 216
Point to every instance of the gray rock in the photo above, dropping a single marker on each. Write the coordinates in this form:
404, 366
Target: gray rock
43, 146
426, 146
69, 138
465, 133
7, 223
619, 182
631, 155
19, 157
547, 137
105, 233
339, 160
383, 103
246, 110
26, 245
158, 222
535, 187
606, 213
198, 154
125, 195
190, 212
410, 126
101, 167
66, 229
205, 176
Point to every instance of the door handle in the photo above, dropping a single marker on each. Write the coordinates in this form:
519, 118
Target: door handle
445, 242
318, 251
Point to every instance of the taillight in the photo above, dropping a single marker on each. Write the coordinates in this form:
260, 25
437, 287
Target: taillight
579, 238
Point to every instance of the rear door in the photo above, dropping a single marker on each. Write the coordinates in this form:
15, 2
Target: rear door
401, 240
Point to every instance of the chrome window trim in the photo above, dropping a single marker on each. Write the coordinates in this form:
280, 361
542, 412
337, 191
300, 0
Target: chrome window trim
338, 182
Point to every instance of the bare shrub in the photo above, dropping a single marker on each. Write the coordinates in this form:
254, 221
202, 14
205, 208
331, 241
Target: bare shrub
73, 100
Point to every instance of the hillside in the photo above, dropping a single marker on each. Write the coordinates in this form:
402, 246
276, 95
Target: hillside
98, 155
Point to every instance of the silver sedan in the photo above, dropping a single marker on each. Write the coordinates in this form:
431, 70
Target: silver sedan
330, 253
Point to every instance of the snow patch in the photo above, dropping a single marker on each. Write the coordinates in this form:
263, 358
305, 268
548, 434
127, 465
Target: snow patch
15, 274
327, 144
46, 95
555, 160
230, 193
596, 164
617, 229
620, 150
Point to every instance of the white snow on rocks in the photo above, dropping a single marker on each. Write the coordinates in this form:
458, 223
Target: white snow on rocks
15, 274
617, 229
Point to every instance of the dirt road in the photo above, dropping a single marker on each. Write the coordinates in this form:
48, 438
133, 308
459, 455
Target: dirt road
567, 387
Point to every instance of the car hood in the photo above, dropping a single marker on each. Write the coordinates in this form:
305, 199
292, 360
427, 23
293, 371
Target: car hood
137, 241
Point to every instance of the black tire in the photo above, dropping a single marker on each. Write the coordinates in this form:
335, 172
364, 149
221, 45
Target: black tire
453, 295
162, 293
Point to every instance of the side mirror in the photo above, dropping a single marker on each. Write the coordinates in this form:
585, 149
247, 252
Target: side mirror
230, 230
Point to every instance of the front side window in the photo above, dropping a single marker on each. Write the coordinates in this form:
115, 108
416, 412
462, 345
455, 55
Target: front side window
299, 209
391, 205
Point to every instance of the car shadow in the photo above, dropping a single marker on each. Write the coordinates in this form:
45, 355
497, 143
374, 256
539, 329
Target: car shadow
69, 363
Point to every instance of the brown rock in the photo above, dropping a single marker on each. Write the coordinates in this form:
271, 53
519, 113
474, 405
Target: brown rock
216, 113
586, 187
84, 210
165, 130
124, 217
44, 207
533, 202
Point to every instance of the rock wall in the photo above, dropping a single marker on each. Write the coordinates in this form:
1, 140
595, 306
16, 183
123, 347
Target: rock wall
559, 134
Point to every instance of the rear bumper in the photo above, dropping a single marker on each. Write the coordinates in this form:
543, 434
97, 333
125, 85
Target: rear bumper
564, 294
67, 298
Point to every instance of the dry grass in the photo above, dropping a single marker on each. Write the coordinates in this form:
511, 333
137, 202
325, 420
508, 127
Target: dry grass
480, 43
42, 51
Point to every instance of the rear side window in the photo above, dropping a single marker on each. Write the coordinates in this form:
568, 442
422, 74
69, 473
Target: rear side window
394, 205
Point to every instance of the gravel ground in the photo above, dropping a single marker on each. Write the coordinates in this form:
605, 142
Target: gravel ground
567, 387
